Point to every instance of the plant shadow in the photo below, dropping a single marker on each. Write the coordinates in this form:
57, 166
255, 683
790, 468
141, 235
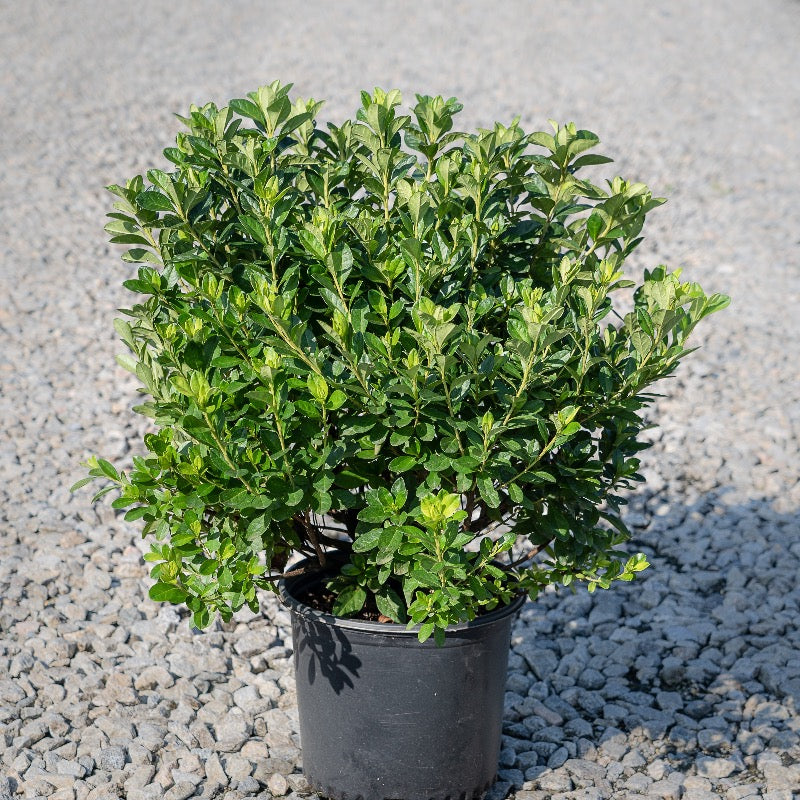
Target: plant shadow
324, 651
693, 664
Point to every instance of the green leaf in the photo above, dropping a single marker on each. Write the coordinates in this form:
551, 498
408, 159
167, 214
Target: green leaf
154, 201
372, 514
294, 498
224, 362
336, 400
517, 329
716, 303
425, 631
182, 385
253, 227
402, 464
460, 388
590, 159
247, 108
570, 430
313, 244
126, 362
424, 578
438, 462
82, 482
350, 601
594, 225
201, 618
294, 122
450, 504
399, 492
543, 139
391, 538
318, 387
368, 540
376, 344
108, 469
488, 491
167, 593
390, 605
641, 342
333, 300
322, 502
341, 262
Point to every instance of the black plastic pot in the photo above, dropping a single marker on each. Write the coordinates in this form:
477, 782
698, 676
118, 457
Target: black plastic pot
383, 717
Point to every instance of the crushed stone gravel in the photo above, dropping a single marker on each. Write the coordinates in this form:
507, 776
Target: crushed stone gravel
685, 684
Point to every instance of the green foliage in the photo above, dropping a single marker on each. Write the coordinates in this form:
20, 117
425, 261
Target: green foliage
393, 340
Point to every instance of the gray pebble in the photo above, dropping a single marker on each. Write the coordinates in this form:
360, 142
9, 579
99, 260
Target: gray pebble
558, 781
515, 777
111, 759
558, 758
508, 757
715, 767
277, 785
591, 679
71, 768
526, 760
638, 782
711, 740
518, 683
578, 727
180, 791
665, 789
542, 662
498, 791
248, 785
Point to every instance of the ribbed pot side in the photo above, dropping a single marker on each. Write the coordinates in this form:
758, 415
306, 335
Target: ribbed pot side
383, 717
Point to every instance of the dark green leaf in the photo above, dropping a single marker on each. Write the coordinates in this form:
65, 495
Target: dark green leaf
402, 464
350, 601
108, 469
488, 491
425, 631
367, 541
590, 159
594, 225
167, 593
247, 109
154, 201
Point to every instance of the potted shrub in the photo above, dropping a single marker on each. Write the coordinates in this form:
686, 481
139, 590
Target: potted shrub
412, 357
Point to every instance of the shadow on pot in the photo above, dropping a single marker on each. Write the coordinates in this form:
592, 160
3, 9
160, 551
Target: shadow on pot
331, 655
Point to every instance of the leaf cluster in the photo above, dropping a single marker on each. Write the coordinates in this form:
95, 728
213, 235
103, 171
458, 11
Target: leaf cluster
390, 340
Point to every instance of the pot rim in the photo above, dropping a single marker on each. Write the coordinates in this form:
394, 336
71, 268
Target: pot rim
392, 628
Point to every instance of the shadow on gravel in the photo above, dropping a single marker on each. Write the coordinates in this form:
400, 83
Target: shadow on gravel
696, 663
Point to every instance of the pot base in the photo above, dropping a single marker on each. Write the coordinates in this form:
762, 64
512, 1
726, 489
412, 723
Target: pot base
329, 793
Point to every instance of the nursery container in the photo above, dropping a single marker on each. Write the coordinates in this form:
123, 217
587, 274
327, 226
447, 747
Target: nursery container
383, 716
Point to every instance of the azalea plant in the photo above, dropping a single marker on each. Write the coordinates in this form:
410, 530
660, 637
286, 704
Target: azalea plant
409, 353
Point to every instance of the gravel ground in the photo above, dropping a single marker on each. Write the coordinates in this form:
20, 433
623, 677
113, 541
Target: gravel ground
686, 684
